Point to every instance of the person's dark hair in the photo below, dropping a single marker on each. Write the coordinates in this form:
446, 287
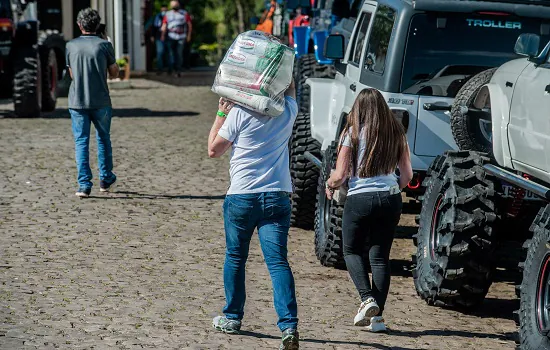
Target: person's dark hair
384, 136
89, 20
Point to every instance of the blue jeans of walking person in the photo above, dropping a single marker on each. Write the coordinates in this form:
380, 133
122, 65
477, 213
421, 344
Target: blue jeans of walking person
161, 54
175, 54
269, 212
81, 123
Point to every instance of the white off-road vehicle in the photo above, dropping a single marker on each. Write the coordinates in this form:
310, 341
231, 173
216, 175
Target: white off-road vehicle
484, 206
423, 56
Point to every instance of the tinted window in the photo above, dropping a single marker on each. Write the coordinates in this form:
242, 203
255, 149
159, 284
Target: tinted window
438, 61
379, 40
5, 9
359, 40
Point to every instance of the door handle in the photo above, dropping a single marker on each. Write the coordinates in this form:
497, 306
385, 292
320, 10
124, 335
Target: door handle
509, 84
547, 89
433, 107
353, 87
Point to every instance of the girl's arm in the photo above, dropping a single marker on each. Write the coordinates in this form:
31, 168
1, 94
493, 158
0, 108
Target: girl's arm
340, 174
405, 168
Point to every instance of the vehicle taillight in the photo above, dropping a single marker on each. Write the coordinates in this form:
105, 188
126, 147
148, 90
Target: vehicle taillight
6, 25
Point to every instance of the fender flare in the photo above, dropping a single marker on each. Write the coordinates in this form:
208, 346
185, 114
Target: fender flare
500, 118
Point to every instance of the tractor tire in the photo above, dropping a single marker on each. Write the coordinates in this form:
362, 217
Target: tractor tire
328, 218
49, 80
27, 86
534, 312
471, 133
307, 67
304, 174
456, 239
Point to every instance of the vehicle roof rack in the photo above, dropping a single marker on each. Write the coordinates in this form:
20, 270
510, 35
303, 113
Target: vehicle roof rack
522, 8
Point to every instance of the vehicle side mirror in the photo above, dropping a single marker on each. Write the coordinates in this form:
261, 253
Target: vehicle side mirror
527, 45
334, 47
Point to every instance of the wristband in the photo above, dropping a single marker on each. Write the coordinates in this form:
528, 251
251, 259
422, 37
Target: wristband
221, 114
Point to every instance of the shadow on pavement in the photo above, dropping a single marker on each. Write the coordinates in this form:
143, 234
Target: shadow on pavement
321, 341
451, 333
117, 112
137, 195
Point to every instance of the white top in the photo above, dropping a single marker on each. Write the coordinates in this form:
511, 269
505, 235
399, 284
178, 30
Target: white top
367, 184
259, 157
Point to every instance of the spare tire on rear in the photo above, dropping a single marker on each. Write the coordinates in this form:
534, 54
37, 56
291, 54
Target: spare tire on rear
472, 131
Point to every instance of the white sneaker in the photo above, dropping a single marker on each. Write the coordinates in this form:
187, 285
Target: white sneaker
368, 309
376, 325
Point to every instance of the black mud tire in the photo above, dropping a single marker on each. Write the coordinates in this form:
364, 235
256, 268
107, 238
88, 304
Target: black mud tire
305, 175
328, 218
467, 130
456, 237
50, 76
27, 92
534, 334
308, 67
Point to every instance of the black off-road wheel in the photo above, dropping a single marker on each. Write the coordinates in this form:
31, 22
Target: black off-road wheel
50, 75
471, 126
27, 82
534, 312
328, 218
305, 175
456, 236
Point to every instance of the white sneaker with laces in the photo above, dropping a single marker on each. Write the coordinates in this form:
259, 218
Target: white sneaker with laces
368, 309
376, 325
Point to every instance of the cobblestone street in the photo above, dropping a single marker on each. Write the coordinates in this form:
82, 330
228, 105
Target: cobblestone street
142, 267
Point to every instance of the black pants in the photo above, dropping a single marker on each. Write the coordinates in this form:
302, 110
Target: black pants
369, 224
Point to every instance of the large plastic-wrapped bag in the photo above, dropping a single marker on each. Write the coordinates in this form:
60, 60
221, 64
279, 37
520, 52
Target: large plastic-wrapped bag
255, 73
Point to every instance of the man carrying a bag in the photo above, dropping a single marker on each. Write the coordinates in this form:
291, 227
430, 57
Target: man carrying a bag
257, 198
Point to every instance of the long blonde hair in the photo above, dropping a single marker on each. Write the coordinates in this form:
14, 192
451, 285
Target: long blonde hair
384, 136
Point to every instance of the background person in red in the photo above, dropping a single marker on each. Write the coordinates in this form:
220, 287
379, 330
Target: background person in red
175, 29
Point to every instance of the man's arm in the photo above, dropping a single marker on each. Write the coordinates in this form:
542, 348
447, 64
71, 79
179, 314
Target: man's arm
112, 67
163, 28
114, 71
218, 145
190, 26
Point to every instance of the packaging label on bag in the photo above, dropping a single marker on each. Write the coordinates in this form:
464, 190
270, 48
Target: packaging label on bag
236, 58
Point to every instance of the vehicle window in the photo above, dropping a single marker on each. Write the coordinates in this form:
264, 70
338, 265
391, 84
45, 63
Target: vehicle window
438, 61
5, 9
359, 40
379, 40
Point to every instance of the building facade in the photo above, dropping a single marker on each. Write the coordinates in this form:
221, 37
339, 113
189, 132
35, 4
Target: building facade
124, 21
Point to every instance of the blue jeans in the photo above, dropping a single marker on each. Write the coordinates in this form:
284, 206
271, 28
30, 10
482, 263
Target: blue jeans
81, 120
270, 213
175, 53
161, 53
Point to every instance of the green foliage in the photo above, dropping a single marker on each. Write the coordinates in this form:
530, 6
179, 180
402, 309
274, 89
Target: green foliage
216, 23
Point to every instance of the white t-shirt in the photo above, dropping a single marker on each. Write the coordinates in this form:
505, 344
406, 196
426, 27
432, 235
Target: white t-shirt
367, 184
259, 157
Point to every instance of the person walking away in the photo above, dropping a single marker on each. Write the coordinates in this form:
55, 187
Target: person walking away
160, 45
373, 145
89, 58
174, 33
259, 197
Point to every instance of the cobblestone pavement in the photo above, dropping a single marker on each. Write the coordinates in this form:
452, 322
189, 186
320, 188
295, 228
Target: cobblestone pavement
142, 267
